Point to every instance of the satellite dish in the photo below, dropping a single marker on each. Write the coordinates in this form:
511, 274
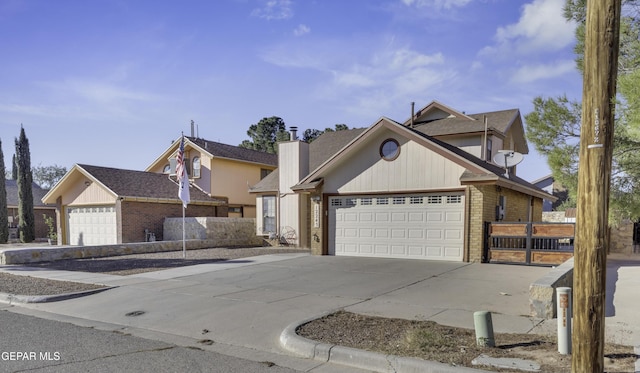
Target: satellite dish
507, 159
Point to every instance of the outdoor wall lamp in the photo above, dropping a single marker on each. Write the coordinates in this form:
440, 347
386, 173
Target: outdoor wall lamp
316, 238
315, 198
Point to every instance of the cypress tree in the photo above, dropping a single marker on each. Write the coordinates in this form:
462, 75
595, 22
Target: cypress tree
4, 213
27, 224
14, 168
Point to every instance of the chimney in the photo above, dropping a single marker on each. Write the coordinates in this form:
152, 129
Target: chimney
293, 133
192, 129
413, 106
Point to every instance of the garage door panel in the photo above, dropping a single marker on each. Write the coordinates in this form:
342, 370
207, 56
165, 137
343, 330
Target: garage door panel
382, 217
416, 217
366, 233
350, 233
398, 217
427, 226
454, 216
434, 251
450, 234
366, 217
93, 225
435, 217
453, 252
415, 233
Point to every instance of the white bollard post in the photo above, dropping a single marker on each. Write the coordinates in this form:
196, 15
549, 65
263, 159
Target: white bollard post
563, 301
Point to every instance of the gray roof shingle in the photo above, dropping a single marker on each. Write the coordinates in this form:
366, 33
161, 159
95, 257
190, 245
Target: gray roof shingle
141, 184
235, 152
12, 194
499, 120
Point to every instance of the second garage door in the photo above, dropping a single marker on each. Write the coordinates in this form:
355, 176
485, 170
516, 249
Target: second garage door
420, 226
92, 225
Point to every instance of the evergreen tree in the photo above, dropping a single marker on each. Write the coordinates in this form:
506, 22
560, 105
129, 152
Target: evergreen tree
554, 125
14, 168
266, 134
25, 189
4, 218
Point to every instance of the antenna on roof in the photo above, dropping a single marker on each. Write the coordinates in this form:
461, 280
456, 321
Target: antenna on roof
413, 107
507, 159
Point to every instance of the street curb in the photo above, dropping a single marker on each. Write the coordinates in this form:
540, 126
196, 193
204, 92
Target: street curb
16, 298
361, 359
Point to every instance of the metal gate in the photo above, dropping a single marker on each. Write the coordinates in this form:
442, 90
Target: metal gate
529, 243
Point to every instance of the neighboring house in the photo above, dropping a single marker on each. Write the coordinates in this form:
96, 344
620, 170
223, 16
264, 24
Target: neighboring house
100, 205
548, 184
419, 189
39, 209
220, 170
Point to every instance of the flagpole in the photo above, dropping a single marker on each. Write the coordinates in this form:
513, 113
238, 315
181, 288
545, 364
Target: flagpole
183, 191
184, 249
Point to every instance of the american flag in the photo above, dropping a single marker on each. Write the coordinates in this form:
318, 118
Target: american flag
181, 175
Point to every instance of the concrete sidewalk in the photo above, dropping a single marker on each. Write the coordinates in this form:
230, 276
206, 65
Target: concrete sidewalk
246, 304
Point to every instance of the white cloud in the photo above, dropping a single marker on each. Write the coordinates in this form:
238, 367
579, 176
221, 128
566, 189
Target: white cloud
531, 73
541, 27
373, 78
274, 10
301, 30
437, 4
102, 92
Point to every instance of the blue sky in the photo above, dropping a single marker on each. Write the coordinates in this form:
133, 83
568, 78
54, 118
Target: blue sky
113, 82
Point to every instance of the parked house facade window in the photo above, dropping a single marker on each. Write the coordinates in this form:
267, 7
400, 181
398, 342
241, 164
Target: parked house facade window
196, 167
269, 214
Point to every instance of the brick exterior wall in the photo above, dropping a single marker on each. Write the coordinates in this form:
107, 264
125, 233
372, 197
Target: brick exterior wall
41, 229
483, 202
137, 216
316, 245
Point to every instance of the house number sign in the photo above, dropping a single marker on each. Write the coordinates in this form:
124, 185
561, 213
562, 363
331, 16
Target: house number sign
596, 131
316, 215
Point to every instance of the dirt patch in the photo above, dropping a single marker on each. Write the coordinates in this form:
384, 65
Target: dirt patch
455, 346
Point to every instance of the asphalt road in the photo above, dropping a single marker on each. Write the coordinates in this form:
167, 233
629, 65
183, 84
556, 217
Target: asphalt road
33, 344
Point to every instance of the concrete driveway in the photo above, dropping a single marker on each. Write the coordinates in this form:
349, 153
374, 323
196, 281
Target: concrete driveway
248, 302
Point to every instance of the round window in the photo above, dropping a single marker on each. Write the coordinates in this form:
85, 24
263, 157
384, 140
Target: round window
389, 150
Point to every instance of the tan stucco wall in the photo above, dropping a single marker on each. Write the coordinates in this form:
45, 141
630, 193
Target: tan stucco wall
232, 180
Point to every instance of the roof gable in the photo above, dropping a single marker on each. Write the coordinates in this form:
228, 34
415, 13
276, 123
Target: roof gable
217, 150
477, 169
129, 184
439, 120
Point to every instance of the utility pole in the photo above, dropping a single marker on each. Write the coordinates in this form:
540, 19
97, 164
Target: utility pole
594, 177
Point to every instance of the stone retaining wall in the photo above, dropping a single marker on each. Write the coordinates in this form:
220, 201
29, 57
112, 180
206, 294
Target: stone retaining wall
542, 293
52, 253
224, 231
201, 233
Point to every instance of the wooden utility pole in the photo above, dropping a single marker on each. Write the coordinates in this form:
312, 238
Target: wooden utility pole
594, 175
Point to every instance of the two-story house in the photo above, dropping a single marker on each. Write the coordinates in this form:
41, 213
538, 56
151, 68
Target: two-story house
220, 170
103, 205
419, 189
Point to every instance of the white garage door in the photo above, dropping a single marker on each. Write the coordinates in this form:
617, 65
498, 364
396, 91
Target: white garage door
420, 226
92, 225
